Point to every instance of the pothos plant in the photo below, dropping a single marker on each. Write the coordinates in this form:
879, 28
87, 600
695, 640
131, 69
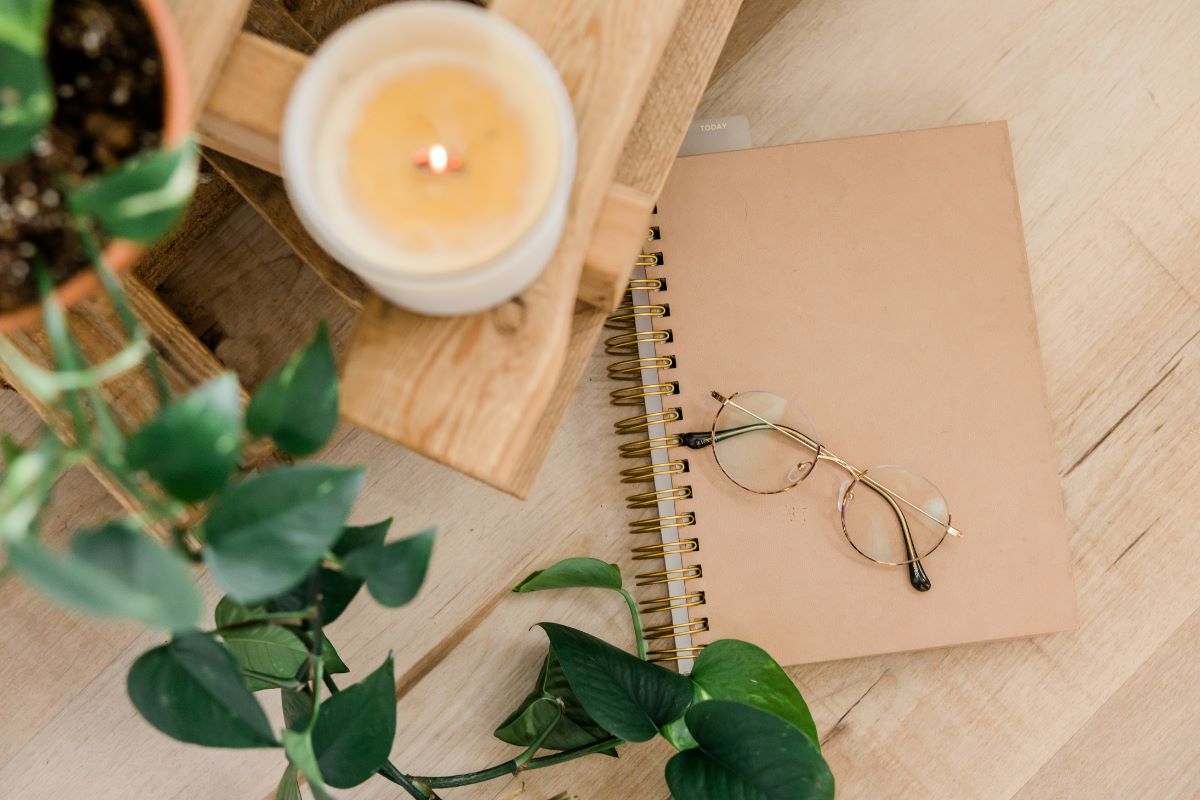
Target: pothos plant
279, 545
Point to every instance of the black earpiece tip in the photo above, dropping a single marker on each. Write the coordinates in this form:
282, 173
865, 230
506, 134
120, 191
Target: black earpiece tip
918, 578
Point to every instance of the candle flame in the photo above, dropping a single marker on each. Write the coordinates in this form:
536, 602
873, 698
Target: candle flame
439, 159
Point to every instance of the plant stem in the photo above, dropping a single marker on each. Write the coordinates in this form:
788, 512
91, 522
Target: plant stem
397, 777
531, 751
638, 631
314, 624
64, 354
185, 544
112, 284
512, 768
157, 509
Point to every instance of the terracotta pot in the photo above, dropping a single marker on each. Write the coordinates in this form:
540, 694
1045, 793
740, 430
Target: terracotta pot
121, 254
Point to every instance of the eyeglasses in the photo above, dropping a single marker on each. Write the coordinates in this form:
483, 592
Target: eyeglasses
888, 514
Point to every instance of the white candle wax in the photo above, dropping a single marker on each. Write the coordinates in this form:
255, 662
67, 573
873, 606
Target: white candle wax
430, 148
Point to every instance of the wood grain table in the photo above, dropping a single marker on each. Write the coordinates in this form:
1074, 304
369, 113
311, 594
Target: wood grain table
1103, 99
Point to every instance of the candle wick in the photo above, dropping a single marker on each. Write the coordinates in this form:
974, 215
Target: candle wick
437, 160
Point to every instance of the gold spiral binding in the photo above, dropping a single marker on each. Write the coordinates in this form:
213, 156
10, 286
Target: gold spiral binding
636, 395
658, 550
651, 499
631, 368
625, 317
646, 285
639, 303
662, 523
667, 575
626, 344
644, 447
642, 422
645, 473
656, 632
675, 654
672, 602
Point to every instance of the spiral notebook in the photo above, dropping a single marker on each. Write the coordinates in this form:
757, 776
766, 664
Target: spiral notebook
880, 284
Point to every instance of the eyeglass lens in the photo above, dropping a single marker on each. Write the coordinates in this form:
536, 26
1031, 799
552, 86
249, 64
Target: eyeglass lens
756, 456
893, 515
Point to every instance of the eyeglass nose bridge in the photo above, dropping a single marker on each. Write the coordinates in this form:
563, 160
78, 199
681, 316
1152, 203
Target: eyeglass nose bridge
825, 455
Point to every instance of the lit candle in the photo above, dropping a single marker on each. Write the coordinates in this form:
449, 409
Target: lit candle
437, 159
430, 148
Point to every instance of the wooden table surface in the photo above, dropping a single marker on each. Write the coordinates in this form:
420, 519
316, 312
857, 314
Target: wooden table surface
1103, 99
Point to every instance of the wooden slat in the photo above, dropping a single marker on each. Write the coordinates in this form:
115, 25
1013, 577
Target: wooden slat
645, 161
469, 391
244, 114
321, 18
266, 194
185, 362
208, 29
264, 190
612, 251
213, 201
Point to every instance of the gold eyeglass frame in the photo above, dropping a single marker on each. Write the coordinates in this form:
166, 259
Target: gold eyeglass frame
917, 576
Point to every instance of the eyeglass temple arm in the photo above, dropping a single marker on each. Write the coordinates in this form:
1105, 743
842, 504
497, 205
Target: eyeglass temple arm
916, 571
698, 440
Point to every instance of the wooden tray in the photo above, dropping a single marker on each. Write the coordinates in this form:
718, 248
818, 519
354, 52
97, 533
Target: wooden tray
483, 393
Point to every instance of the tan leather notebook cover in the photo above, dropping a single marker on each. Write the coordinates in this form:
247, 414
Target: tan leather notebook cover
880, 284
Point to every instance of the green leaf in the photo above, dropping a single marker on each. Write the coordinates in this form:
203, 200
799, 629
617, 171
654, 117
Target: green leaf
539, 709
729, 669
231, 612
299, 748
144, 566
25, 487
298, 405
573, 573
193, 445
355, 727
114, 571
289, 787
395, 571
625, 695
10, 450
142, 198
26, 98
746, 754
191, 690
336, 589
268, 650
356, 537
23, 24
676, 731
268, 531
297, 708
330, 658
